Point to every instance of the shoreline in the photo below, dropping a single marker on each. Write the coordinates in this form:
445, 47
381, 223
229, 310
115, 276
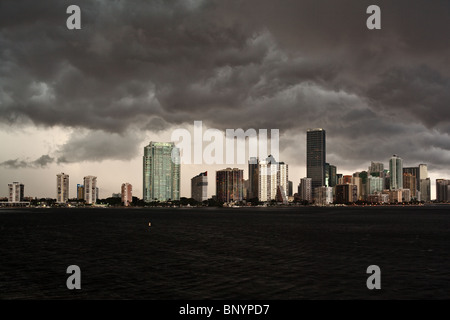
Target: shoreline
232, 207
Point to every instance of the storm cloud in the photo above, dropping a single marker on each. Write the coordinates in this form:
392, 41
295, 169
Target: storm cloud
42, 162
150, 65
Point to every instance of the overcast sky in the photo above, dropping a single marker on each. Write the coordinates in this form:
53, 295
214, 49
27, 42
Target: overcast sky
87, 101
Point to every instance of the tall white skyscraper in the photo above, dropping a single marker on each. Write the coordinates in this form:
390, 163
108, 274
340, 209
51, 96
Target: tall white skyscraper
396, 170
265, 180
62, 187
272, 177
423, 171
424, 183
90, 189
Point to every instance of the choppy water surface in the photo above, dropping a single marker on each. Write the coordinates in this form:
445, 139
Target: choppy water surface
233, 253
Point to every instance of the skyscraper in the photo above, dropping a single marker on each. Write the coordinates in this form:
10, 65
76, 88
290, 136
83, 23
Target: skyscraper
396, 169
80, 192
161, 172
414, 172
305, 191
273, 176
230, 185
425, 190
357, 181
16, 191
409, 182
62, 187
374, 185
442, 190
332, 180
126, 194
346, 193
324, 196
253, 176
316, 157
199, 187
327, 174
290, 192
424, 183
90, 189
376, 167
423, 171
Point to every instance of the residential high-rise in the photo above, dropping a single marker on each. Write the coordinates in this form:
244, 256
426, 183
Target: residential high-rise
230, 185
324, 196
409, 182
246, 187
357, 181
423, 175
90, 189
16, 191
161, 172
396, 170
442, 190
283, 178
80, 192
406, 195
305, 192
272, 174
126, 194
346, 193
62, 187
396, 196
363, 175
345, 179
416, 173
376, 167
253, 178
423, 171
425, 190
199, 187
374, 185
265, 173
316, 157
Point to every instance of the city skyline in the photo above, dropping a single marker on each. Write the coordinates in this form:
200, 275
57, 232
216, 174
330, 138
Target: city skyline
161, 179
87, 101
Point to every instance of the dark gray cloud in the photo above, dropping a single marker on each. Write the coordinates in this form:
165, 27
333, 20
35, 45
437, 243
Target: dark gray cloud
150, 65
41, 162
87, 145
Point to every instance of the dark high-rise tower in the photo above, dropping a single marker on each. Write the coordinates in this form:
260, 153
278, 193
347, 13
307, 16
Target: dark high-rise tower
253, 175
332, 180
315, 157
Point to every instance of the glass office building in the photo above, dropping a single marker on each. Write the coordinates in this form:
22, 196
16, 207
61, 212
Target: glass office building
161, 176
